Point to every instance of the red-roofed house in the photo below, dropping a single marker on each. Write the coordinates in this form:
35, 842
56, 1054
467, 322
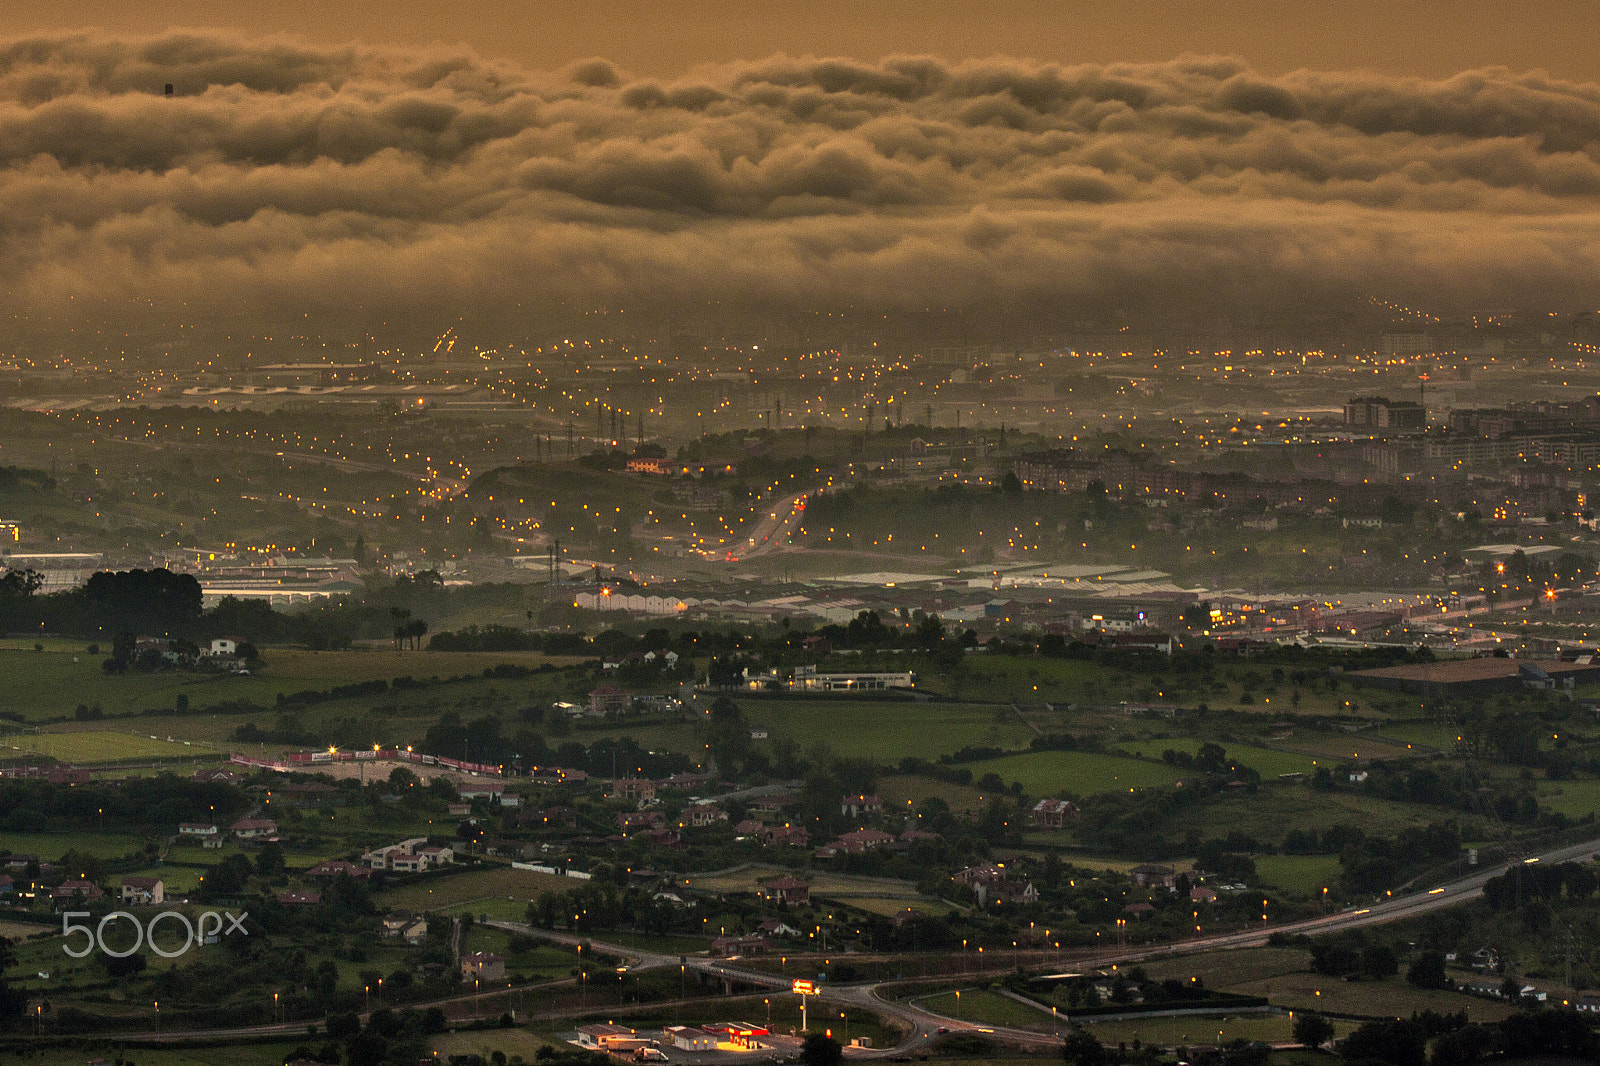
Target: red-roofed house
787, 890
860, 804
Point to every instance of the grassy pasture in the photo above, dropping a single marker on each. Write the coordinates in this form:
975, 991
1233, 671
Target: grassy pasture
1572, 798
1044, 773
54, 682
104, 745
51, 846
445, 892
984, 1006
1304, 875
1267, 762
888, 731
1278, 808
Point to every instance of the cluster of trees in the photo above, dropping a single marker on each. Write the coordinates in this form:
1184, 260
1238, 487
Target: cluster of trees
1526, 1035
1544, 882
388, 1039
138, 805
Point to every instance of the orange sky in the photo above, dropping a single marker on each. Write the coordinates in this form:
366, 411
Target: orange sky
1432, 38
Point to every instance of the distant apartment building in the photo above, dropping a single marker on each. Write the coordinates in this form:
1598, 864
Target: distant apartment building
1380, 412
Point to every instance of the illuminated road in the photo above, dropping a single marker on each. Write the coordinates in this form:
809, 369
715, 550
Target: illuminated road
772, 531
923, 1026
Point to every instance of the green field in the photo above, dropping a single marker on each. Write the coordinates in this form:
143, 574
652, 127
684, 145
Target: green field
1283, 975
1422, 734
486, 1042
50, 684
1304, 875
889, 731
1278, 808
1044, 773
105, 745
1265, 761
898, 790
985, 1006
440, 893
1572, 798
51, 846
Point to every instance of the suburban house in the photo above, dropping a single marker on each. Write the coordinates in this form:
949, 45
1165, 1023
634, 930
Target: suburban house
561, 817
254, 829
483, 965
75, 891
411, 856
787, 890
1052, 814
860, 804
143, 891
862, 840
1004, 890
205, 832
728, 946
701, 815
609, 699
1148, 876
637, 789
628, 821
792, 835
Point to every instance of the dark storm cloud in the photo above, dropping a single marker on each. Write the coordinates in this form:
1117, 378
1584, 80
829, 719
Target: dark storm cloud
280, 174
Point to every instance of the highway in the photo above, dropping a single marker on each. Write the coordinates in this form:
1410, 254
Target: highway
922, 1026
772, 531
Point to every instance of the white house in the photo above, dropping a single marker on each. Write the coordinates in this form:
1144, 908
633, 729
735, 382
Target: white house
255, 829
411, 856
205, 832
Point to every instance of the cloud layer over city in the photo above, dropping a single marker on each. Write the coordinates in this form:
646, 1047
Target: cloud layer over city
282, 175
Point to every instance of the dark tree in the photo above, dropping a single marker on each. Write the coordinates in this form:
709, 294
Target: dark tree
820, 1050
1312, 1030
1083, 1049
1427, 971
